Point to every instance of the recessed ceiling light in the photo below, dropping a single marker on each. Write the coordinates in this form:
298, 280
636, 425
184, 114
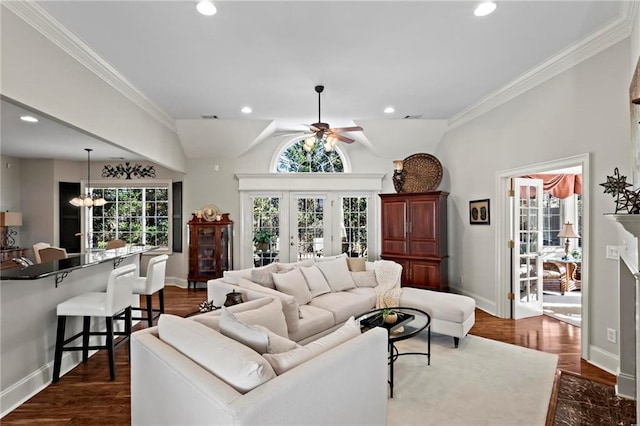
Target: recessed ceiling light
246, 110
389, 110
485, 8
206, 8
29, 119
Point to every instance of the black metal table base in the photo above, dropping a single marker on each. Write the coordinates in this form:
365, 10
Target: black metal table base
394, 354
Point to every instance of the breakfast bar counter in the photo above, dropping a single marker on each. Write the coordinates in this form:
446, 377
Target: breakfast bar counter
28, 300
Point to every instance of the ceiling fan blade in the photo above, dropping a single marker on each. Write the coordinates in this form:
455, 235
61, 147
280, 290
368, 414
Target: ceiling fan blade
342, 138
347, 129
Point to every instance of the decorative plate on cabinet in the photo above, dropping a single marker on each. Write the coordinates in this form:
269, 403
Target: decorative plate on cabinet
422, 173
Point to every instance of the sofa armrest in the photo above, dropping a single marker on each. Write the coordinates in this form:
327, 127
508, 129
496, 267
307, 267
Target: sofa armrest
217, 291
345, 385
169, 388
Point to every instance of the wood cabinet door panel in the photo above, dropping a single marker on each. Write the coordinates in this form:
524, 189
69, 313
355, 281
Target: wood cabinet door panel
425, 275
394, 227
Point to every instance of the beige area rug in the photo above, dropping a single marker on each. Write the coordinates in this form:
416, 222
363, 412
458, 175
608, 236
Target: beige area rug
482, 382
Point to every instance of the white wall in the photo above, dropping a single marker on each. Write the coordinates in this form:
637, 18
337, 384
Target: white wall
39, 74
583, 110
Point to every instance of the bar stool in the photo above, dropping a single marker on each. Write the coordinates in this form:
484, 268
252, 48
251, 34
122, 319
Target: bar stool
152, 283
114, 304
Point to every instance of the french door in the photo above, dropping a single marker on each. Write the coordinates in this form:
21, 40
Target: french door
527, 227
310, 225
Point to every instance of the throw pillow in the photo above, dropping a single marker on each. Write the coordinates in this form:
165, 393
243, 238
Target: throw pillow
289, 303
364, 279
230, 326
262, 275
293, 283
329, 258
356, 264
284, 267
232, 362
337, 274
278, 344
266, 311
287, 360
315, 281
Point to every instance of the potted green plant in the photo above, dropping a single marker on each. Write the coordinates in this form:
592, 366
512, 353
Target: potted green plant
390, 316
262, 239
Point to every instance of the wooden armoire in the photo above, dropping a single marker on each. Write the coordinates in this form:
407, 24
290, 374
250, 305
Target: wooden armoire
414, 234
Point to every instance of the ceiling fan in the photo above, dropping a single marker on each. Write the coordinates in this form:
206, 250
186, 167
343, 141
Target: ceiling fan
324, 133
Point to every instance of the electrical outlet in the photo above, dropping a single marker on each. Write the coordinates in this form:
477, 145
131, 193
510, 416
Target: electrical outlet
612, 252
611, 335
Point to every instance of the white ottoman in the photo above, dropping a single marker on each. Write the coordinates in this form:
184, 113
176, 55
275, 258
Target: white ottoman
451, 314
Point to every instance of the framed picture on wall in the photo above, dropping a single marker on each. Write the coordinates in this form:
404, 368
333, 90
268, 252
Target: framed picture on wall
479, 212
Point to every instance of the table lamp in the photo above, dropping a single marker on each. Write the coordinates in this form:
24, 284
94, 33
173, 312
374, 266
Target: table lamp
567, 232
8, 219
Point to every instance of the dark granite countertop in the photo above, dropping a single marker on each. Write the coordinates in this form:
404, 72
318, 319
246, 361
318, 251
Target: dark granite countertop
72, 262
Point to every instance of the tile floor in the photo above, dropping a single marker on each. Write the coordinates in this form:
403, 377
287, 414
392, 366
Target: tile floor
585, 402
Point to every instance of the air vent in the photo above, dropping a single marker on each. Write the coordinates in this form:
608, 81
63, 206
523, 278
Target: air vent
412, 117
209, 117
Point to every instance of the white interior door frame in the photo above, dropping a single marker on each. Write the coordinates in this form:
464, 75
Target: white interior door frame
503, 264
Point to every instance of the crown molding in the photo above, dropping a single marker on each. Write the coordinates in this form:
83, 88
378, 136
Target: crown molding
596, 42
38, 18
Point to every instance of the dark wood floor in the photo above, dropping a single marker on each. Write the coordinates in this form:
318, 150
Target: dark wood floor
85, 396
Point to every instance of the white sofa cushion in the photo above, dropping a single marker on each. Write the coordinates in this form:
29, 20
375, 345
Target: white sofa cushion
315, 320
315, 280
343, 304
232, 362
232, 277
287, 360
330, 258
337, 274
269, 315
248, 335
294, 284
262, 275
284, 267
289, 304
364, 278
278, 344
366, 292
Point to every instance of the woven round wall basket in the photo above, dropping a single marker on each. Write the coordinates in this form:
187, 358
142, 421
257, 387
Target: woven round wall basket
422, 173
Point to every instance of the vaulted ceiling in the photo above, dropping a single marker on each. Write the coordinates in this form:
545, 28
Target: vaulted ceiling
433, 61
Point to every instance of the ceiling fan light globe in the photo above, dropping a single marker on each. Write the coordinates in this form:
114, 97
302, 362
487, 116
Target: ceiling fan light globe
98, 202
328, 147
88, 202
309, 142
76, 202
306, 148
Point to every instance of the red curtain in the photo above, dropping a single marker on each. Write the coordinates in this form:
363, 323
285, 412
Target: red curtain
559, 185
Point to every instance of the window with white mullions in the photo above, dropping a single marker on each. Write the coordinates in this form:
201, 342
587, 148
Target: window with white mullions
137, 215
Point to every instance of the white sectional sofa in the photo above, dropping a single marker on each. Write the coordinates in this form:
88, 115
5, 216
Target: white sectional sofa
323, 294
186, 372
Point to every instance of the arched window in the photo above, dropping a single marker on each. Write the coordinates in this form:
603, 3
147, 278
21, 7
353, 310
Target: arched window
295, 159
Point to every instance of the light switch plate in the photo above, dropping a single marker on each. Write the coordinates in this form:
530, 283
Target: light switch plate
612, 252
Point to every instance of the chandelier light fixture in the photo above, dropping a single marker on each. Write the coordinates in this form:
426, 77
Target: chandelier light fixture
88, 200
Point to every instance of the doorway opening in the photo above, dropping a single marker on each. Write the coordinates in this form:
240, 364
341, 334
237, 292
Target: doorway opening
523, 235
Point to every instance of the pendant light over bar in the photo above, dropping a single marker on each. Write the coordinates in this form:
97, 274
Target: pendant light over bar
88, 200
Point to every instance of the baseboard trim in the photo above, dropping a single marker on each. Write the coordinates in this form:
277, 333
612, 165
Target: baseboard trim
602, 359
626, 386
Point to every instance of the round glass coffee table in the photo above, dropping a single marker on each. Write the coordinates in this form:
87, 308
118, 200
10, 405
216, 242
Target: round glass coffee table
409, 323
